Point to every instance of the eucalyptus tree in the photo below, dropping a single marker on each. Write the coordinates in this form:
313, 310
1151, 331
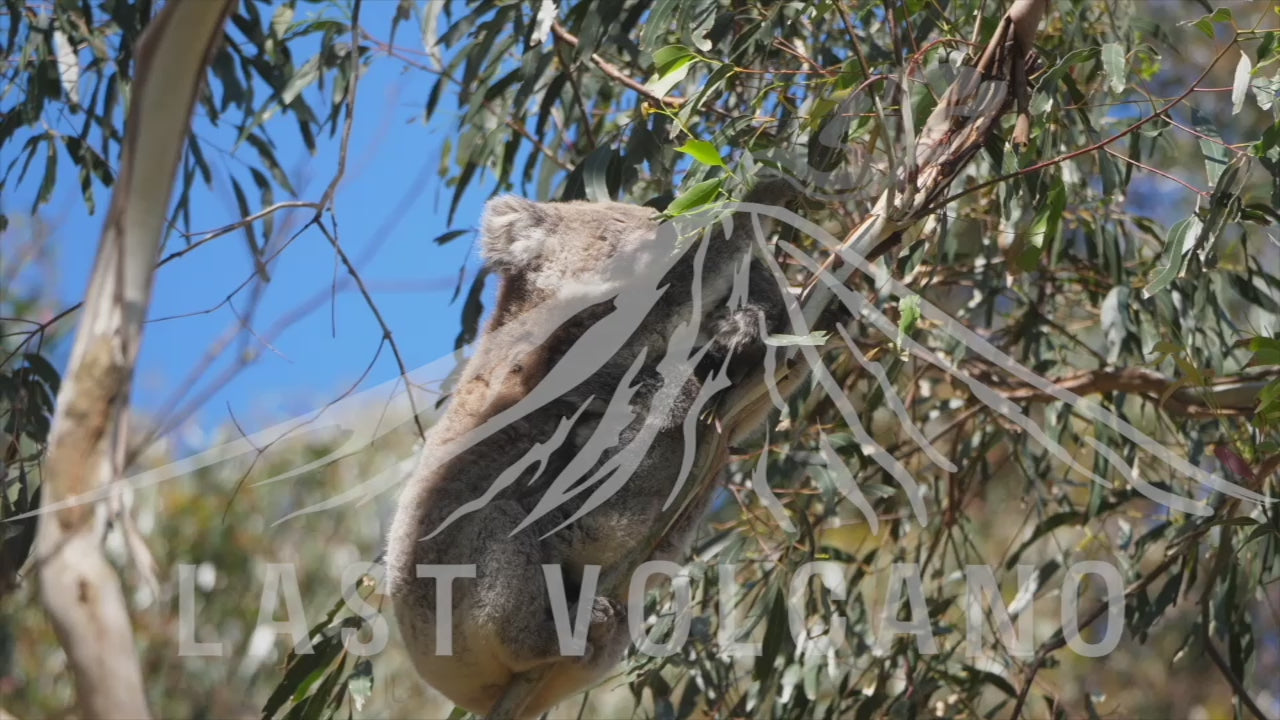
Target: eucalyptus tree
1110, 228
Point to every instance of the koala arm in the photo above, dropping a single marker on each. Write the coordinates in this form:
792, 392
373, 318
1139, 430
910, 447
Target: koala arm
738, 331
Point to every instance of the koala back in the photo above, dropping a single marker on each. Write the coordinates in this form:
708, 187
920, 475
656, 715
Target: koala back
590, 295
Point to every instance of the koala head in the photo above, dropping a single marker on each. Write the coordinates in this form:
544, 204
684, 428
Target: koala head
555, 249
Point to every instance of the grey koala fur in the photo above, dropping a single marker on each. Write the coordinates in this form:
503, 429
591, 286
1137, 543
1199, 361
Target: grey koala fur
571, 271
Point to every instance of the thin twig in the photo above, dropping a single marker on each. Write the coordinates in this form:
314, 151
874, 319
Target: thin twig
786, 47
577, 96
39, 331
327, 202
1236, 685
1216, 141
1161, 173
268, 336
377, 314
259, 452
237, 225
44, 326
397, 52
615, 73
1059, 639
537, 144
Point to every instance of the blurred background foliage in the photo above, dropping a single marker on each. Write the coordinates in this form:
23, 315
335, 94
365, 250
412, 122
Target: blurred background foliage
1155, 249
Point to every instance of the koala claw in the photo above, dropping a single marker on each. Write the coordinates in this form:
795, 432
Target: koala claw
606, 632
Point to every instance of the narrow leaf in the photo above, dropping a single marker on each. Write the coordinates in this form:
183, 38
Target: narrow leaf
281, 20
50, 174
1114, 66
1240, 87
595, 171
695, 197
1211, 145
672, 64
1175, 253
910, 309
445, 238
68, 66
815, 339
702, 151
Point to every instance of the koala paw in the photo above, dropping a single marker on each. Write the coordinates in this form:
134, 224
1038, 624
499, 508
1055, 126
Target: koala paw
607, 633
605, 611
740, 329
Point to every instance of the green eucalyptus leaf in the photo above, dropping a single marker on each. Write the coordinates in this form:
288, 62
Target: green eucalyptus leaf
696, 197
702, 151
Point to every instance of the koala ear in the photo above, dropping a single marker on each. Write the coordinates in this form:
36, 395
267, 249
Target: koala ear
512, 232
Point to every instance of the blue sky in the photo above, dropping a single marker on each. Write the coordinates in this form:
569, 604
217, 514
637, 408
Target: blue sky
390, 206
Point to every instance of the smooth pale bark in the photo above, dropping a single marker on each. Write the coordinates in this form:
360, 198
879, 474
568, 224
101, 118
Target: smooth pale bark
79, 588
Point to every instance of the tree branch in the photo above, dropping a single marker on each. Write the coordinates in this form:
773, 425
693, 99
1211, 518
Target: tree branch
79, 588
958, 127
327, 202
1237, 686
1162, 112
1228, 395
613, 72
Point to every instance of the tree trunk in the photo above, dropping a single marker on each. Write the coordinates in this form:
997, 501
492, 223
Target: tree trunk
79, 588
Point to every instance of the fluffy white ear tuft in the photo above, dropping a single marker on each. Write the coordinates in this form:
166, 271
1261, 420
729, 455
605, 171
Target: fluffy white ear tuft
512, 232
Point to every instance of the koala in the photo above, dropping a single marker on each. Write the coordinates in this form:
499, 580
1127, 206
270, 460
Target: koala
573, 382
